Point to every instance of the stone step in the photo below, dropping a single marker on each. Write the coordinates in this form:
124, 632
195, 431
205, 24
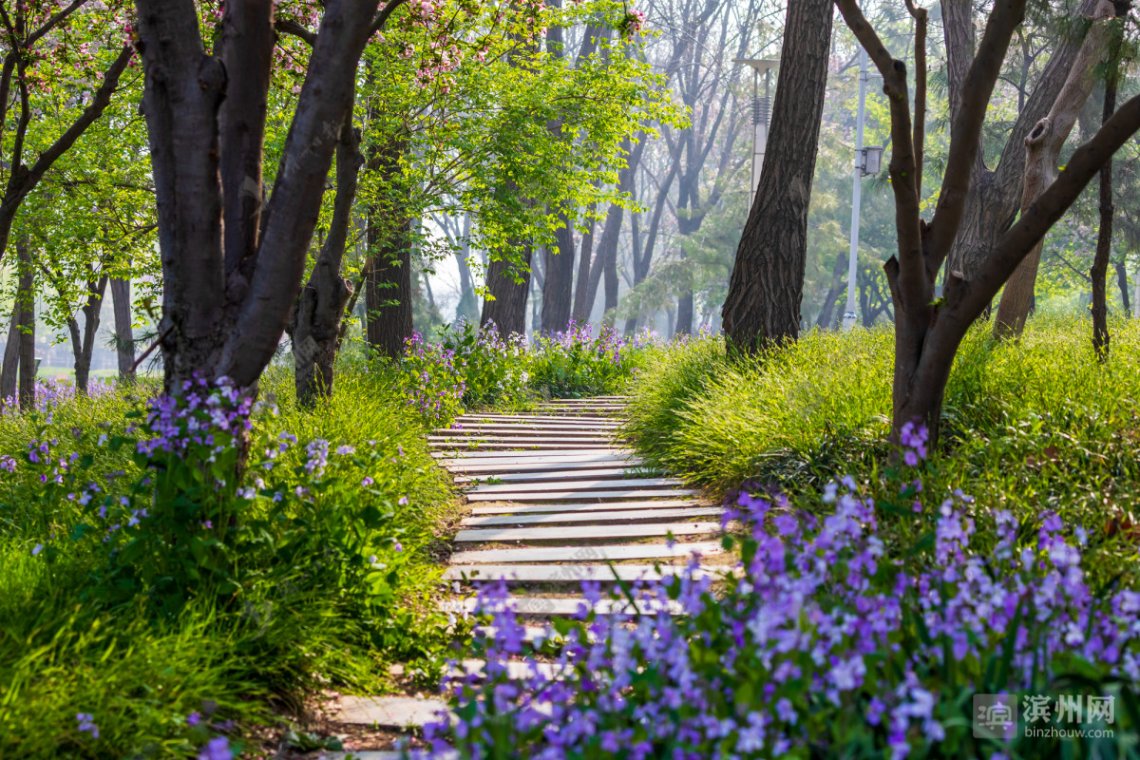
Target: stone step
554, 476
553, 573
627, 515
593, 506
564, 606
475, 455
572, 419
604, 553
586, 532
594, 484
539, 467
452, 446
385, 711
624, 494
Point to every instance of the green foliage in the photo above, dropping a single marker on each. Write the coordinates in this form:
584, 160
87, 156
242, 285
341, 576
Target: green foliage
1027, 426
575, 364
312, 569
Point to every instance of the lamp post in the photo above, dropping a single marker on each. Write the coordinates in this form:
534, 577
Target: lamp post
761, 108
868, 161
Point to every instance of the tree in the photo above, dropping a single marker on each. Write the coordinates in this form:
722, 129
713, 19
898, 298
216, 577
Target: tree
766, 287
233, 259
1043, 150
928, 331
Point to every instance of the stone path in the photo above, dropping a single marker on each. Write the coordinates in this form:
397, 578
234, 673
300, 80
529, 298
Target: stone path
553, 498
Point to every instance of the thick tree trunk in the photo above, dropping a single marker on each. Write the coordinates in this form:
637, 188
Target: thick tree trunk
558, 285
764, 294
388, 287
11, 363
317, 318
509, 285
1042, 154
228, 296
684, 324
124, 332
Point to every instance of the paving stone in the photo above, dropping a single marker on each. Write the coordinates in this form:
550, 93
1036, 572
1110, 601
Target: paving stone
589, 506
584, 553
385, 711
552, 573
632, 493
626, 515
584, 485
561, 533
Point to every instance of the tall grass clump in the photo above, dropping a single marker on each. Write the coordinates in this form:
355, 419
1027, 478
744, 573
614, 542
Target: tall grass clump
176, 570
1032, 424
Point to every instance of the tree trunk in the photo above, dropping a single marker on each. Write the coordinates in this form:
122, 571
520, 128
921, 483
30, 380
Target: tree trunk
684, 324
83, 342
26, 304
124, 333
229, 289
11, 363
826, 318
764, 294
1098, 275
508, 285
1042, 154
994, 196
583, 294
388, 287
1122, 283
317, 318
558, 285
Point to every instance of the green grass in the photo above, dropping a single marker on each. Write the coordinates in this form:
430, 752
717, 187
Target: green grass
64, 652
1028, 426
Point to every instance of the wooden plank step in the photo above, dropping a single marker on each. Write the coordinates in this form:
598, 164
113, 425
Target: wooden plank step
563, 573
599, 484
555, 474
610, 553
595, 532
463, 468
386, 711
557, 518
538, 422
452, 446
625, 494
574, 419
602, 454
467, 440
590, 506
517, 670
533, 605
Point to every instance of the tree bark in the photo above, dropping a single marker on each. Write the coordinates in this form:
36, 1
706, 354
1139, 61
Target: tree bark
583, 294
1122, 283
229, 289
124, 333
508, 285
764, 295
928, 332
388, 287
83, 341
26, 304
558, 285
317, 318
11, 363
994, 197
1042, 154
826, 319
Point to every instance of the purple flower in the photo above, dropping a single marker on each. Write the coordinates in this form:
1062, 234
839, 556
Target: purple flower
87, 725
37, 549
217, 748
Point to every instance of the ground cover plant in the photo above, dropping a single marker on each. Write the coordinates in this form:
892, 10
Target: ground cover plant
468, 367
1035, 425
823, 642
155, 603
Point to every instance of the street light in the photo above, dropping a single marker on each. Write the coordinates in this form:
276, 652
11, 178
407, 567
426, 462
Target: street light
868, 161
761, 109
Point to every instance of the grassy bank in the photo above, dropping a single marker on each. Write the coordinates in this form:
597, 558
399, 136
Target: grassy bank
330, 583
1028, 426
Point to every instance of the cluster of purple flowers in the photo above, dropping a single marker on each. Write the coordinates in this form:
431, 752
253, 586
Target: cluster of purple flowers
204, 414
53, 391
818, 640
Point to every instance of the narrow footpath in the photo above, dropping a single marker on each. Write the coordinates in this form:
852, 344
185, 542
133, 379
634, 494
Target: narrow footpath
553, 497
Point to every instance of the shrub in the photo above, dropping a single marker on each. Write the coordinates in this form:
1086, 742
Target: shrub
819, 643
573, 363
